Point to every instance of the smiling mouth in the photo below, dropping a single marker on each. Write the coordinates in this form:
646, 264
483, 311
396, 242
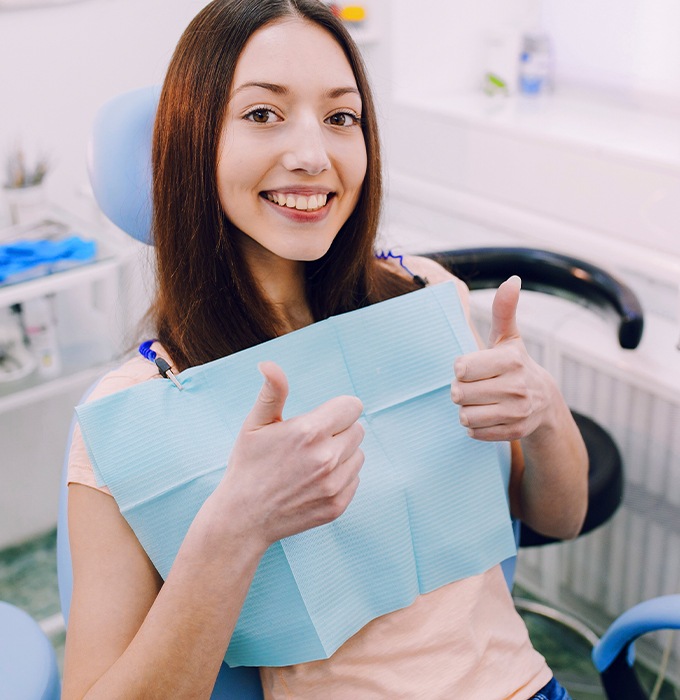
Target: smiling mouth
300, 202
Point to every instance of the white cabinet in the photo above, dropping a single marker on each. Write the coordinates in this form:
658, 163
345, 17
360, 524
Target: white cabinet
94, 308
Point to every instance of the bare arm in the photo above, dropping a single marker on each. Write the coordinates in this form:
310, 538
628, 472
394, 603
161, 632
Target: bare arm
130, 636
504, 394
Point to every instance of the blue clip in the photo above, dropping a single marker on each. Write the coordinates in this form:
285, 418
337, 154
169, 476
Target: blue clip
163, 365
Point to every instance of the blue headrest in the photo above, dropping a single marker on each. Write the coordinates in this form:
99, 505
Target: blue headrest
119, 160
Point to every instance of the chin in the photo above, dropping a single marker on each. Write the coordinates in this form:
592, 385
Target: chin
308, 253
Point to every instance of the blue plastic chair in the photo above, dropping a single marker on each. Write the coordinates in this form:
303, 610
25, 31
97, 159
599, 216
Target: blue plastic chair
28, 665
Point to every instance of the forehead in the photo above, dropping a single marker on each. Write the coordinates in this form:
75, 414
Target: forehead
293, 49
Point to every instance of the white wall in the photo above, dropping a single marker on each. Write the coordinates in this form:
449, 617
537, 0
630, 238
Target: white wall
58, 64
439, 44
628, 47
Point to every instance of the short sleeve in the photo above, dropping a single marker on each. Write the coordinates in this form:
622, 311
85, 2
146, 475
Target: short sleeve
133, 372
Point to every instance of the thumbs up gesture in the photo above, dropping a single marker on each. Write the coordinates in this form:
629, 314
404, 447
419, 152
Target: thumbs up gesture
501, 391
291, 475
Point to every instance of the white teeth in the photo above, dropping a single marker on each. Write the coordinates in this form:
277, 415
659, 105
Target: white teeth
300, 202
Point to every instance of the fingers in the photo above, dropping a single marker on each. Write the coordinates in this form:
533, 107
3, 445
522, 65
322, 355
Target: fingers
270, 401
490, 363
339, 488
348, 441
336, 415
496, 388
504, 311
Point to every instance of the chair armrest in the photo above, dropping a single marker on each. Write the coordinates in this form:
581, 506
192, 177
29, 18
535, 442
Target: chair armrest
613, 656
552, 273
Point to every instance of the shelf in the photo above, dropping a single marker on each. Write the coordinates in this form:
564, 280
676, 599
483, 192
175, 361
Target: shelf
84, 356
567, 117
33, 390
58, 281
57, 226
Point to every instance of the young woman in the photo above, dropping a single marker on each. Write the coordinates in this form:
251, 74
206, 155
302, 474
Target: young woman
266, 204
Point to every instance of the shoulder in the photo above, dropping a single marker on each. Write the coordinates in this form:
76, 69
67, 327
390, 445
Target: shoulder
434, 273
135, 371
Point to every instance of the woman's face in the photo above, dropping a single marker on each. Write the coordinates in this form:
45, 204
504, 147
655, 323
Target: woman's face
292, 156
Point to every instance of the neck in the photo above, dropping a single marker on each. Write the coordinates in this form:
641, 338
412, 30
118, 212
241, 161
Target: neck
283, 284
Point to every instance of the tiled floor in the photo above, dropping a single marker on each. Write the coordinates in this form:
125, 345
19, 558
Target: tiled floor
28, 579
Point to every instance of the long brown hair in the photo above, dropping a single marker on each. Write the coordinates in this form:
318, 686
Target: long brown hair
207, 303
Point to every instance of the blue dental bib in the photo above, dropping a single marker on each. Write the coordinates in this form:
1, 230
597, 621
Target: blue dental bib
431, 507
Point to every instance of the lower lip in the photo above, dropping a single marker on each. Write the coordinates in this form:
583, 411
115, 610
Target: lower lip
300, 216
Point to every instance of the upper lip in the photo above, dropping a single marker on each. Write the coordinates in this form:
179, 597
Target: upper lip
302, 191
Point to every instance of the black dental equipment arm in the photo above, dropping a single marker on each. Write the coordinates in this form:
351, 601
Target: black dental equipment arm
551, 273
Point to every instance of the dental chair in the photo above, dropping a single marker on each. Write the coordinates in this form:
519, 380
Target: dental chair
120, 171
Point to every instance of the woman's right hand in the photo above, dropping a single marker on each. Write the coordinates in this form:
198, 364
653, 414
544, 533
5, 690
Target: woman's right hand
286, 476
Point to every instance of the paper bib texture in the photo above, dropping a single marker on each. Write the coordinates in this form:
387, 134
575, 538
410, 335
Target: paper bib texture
431, 507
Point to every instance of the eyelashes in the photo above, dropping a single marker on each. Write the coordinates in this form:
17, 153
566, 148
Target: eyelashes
265, 114
261, 115
354, 118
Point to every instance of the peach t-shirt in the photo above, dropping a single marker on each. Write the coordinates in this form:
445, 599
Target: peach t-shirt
464, 640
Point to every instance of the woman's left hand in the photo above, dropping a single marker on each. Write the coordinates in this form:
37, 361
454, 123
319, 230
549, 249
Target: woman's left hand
502, 392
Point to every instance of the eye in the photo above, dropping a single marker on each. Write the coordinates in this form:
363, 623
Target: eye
344, 119
262, 115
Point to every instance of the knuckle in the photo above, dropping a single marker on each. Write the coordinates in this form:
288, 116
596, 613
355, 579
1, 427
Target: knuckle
306, 430
525, 408
519, 389
516, 431
336, 507
326, 461
514, 434
328, 491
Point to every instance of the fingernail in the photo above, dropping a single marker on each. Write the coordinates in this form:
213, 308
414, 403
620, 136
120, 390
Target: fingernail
455, 393
464, 420
516, 280
459, 368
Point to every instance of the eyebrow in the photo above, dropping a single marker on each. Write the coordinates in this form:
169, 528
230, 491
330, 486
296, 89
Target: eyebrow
333, 93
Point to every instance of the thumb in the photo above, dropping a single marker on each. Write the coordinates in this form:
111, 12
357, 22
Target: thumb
270, 401
504, 310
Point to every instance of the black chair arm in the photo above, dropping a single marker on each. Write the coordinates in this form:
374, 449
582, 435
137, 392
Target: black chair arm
552, 273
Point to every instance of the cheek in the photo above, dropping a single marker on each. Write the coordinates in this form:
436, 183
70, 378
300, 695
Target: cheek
238, 169
354, 167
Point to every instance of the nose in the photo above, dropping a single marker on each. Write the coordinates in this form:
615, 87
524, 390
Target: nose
307, 149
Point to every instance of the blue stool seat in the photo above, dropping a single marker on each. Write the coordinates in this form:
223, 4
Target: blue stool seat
28, 665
